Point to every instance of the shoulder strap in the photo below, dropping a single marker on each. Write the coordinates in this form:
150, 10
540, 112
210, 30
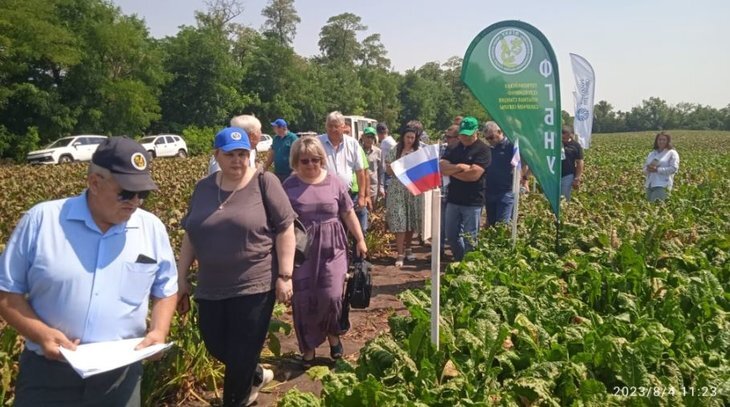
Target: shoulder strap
264, 199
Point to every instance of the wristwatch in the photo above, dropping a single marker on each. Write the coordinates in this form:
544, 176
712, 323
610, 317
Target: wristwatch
285, 277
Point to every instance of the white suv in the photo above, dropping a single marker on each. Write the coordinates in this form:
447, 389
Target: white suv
165, 145
67, 149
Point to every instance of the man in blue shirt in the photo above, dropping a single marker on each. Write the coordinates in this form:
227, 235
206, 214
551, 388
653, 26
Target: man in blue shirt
498, 195
82, 270
280, 149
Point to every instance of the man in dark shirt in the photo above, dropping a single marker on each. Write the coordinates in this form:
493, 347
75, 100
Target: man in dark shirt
498, 193
572, 156
465, 165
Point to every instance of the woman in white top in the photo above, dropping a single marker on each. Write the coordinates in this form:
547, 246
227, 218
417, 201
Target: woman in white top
660, 166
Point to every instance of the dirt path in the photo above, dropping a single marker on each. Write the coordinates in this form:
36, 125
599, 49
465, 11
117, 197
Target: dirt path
366, 324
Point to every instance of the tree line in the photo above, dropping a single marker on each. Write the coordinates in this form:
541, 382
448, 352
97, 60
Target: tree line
82, 66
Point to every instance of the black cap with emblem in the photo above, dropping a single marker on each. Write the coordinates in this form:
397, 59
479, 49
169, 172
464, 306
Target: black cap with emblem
128, 162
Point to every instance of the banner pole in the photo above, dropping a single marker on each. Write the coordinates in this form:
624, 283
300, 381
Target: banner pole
435, 265
515, 208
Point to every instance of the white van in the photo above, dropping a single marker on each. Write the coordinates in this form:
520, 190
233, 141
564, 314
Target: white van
358, 124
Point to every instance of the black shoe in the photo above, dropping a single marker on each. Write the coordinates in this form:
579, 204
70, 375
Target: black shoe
336, 351
307, 363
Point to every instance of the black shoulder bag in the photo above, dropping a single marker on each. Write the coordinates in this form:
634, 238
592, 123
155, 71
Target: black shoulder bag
303, 241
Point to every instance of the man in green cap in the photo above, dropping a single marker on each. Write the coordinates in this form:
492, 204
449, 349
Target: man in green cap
465, 165
375, 164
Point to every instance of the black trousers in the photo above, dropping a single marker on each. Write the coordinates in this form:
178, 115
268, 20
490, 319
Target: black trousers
234, 331
44, 382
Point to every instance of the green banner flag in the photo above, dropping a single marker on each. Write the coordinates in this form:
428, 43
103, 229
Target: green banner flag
511, 69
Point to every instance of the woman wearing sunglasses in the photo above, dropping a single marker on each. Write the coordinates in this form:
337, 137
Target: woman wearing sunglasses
323, 203
228, 231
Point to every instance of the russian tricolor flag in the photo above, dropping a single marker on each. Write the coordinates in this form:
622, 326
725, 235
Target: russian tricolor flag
419, 170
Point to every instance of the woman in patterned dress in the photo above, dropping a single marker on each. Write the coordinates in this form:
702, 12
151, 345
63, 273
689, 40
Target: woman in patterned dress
403, 211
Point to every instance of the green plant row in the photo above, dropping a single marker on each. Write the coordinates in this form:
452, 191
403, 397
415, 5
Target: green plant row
632, 309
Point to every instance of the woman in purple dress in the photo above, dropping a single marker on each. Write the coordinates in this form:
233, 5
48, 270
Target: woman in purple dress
322, 202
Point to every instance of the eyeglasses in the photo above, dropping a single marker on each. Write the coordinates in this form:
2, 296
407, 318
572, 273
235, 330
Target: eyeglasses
306, 161
129, 195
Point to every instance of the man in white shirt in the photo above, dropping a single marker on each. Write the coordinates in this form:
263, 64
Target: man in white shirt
386, 144
346, 159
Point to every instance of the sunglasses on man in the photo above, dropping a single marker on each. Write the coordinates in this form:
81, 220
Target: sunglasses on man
125, 195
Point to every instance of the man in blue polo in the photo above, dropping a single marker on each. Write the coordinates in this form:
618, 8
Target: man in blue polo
280, 149
83, 270
498, 195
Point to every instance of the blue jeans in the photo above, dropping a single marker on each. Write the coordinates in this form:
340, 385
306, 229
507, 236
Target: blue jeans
462, 223
656, 194
566, 185
361, 213
499, 207
362, 217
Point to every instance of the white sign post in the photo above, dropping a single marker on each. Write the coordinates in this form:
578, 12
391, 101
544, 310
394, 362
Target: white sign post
435, 265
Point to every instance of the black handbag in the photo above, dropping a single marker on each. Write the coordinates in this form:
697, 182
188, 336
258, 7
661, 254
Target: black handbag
359, 285
301, 237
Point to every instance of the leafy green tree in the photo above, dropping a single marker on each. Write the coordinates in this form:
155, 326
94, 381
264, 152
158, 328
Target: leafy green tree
73, 66
697, 117
566, 118
418, 99
281, 21
274, 73
36, 52
338, 38
605, 120
203, 90
465, 104
653, 114
380, 93
373, 53
115, 88
219, 15
725, 117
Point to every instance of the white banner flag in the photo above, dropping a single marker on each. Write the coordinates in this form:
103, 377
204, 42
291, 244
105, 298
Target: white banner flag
585, 84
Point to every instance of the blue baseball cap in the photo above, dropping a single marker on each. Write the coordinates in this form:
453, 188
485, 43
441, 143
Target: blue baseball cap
232, 138
279, 123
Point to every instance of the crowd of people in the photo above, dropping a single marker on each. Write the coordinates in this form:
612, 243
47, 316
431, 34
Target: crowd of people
84, 269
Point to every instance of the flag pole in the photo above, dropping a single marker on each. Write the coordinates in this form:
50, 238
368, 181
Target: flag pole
435, 265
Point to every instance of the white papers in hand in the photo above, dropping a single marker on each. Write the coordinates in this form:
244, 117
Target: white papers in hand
94, 358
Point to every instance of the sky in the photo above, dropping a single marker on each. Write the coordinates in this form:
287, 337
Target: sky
678, 51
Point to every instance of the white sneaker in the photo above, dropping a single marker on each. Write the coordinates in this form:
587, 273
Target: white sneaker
268, 376
410, 256
399, 262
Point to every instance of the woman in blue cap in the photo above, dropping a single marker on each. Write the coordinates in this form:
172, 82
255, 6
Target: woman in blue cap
229, 233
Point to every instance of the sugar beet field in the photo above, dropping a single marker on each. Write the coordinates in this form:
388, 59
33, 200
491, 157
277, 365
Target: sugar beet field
631, 310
